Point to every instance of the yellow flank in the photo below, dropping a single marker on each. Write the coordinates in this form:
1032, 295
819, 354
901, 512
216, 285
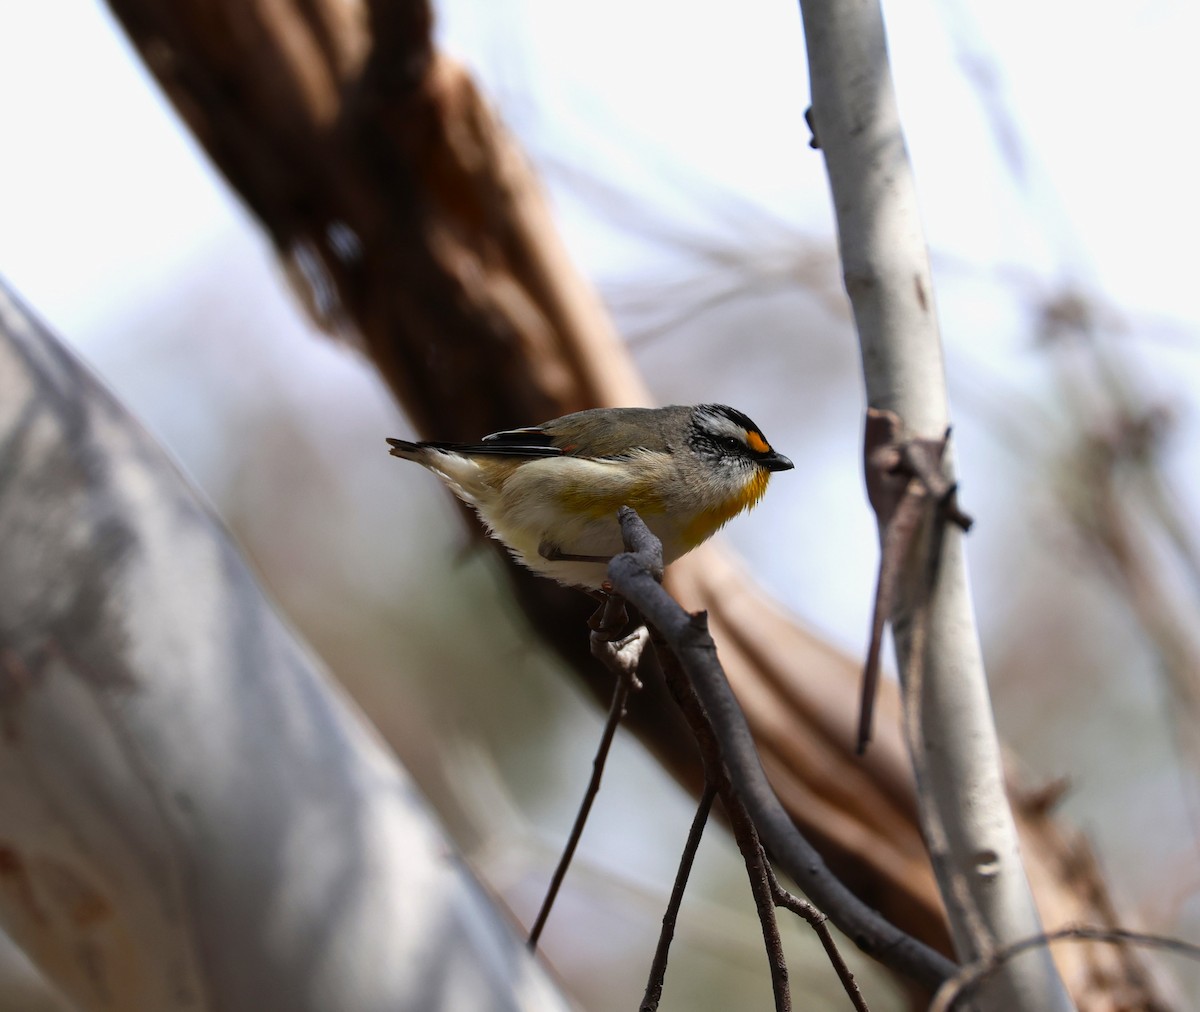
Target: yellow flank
497, 470
594, 503
756, 443
706, 523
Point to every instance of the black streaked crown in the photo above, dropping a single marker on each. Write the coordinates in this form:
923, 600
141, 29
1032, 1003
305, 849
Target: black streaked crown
719, 431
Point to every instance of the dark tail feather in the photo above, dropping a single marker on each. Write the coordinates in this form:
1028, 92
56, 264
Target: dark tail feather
403, 448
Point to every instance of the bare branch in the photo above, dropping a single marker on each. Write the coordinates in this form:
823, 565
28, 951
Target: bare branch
622, 659
820, 924
658, 967
887, 276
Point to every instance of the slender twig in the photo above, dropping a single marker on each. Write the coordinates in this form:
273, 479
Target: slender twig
761, 878
692, 649
820, 924
658, 968
622, 659
768, 893
715, 773
766, 888
964, 983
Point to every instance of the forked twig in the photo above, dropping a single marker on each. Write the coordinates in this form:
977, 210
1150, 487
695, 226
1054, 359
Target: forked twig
697, 683
621, 657
820, 924
716, 778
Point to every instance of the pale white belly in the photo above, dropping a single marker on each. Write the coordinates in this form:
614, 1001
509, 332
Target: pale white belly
594, 537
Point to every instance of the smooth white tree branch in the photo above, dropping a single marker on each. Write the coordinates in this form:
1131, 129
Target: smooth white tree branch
192, 817
965, 812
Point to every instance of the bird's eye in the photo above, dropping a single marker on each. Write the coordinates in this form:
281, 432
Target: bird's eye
731, 443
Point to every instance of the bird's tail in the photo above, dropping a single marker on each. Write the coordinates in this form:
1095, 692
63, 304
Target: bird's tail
403, 448
462, 473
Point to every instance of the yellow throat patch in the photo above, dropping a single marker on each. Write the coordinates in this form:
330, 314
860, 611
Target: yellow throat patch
708, 522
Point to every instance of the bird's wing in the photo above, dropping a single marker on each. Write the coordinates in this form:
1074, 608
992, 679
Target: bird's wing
534, 441
599, 433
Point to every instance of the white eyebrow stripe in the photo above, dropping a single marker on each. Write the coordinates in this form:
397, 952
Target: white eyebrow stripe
719, 425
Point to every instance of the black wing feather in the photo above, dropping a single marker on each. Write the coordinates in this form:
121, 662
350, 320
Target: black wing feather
500, 447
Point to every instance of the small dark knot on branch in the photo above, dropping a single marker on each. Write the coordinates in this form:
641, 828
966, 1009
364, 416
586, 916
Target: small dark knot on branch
814, 141
895, 461
905, 481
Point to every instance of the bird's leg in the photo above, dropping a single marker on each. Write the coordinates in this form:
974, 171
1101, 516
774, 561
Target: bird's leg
610, 618
552, 553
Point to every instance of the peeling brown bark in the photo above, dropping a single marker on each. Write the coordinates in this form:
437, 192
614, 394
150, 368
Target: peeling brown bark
416, 227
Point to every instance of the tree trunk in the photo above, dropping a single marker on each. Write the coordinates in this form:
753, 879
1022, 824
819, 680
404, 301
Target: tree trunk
192, 816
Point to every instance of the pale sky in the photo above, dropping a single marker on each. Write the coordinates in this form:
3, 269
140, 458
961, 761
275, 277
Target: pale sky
99, 198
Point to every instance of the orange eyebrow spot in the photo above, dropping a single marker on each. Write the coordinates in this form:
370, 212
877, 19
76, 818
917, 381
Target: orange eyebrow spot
756, 443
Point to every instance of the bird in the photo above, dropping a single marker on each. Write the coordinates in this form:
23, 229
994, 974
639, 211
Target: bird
550, 492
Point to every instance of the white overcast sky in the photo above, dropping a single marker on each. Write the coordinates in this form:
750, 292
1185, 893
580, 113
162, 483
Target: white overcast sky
98, 200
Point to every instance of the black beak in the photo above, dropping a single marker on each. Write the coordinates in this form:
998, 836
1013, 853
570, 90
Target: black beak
775, 462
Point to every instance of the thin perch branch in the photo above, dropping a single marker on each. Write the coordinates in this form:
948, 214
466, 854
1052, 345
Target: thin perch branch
692, 648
